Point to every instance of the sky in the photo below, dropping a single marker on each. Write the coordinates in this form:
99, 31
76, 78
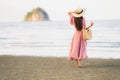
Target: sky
15, 10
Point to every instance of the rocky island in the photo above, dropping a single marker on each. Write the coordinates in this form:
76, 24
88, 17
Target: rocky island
37, 14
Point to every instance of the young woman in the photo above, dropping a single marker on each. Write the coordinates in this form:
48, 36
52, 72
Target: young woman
78, 44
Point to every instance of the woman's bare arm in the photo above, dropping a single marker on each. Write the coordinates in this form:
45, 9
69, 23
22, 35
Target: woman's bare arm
91, 24
71, 12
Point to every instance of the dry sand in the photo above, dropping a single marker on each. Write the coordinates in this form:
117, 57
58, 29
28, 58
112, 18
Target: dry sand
57, 68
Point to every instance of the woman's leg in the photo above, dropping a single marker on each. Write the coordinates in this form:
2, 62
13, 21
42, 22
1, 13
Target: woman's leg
78, 62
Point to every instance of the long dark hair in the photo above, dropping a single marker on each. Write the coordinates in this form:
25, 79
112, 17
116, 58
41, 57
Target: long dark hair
78, 23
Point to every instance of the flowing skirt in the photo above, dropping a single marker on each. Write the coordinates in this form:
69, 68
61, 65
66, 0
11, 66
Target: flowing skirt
78, 47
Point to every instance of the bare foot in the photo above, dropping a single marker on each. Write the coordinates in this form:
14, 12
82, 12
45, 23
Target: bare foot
79, 66
78, 63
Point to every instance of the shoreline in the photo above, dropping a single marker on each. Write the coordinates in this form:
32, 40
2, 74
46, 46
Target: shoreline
56, 56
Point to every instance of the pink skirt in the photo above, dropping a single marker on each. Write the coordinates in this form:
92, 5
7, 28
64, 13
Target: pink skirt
78, 47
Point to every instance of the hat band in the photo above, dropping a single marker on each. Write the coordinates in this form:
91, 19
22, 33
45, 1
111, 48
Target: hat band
80, 12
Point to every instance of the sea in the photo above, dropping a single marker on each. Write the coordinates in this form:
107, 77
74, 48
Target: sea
53, 39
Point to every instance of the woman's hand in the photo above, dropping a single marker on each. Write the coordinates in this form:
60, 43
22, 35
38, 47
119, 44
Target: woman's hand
91, 24
71, 12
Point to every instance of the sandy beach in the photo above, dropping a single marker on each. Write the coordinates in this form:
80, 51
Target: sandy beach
57, 68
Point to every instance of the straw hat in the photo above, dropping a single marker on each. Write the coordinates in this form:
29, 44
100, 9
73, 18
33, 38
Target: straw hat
79, 12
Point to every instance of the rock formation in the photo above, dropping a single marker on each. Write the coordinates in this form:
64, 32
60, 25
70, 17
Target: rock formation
37, 14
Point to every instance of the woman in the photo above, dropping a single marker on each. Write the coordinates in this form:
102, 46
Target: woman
78, 45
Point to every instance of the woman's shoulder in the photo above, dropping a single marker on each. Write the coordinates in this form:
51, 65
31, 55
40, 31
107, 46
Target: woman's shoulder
84, 20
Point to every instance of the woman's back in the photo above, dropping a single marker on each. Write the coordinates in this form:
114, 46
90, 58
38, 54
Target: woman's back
78, 23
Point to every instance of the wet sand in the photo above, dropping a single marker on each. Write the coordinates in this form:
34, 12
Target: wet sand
57, 68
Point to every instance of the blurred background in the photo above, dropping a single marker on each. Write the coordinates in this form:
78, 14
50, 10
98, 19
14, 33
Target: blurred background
41, 27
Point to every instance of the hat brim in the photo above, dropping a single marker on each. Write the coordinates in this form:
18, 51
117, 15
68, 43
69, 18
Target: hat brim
78, 15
